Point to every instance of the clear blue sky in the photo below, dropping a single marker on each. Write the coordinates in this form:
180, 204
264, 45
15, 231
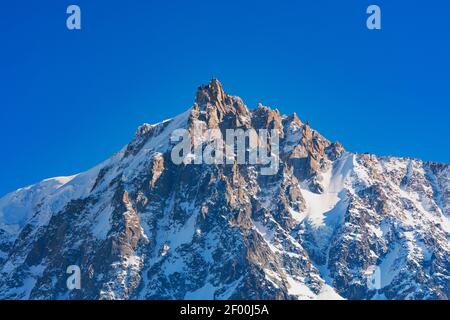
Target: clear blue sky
69, 99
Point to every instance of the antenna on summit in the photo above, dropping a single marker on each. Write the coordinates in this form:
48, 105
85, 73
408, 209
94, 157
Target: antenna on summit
213, 77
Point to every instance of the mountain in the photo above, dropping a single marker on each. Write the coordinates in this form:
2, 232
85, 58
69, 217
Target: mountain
327, 224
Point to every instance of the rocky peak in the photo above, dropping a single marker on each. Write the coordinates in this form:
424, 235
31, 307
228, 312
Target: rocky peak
211, 93
294, 119
266, 118
218, 109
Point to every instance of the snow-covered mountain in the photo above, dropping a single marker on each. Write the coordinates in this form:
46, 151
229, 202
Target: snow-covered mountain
330, 224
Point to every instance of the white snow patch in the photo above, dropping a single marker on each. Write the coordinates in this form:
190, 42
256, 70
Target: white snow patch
334, 182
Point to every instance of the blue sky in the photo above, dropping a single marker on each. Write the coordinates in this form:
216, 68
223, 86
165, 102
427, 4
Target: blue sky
69, 99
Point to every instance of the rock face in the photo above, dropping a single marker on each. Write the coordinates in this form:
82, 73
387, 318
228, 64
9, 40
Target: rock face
329, 224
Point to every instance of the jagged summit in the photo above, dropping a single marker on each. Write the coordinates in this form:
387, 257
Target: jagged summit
210, 93
330, 224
